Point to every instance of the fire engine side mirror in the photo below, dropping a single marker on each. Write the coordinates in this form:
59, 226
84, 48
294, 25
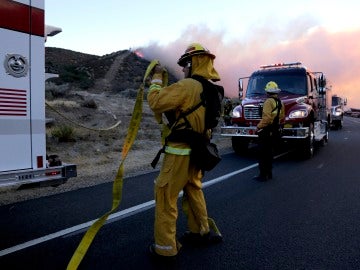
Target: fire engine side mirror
345, 101
241, 88
322, 81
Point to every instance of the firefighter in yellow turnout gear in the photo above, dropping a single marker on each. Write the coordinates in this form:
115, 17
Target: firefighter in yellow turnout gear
177, 173
273, 113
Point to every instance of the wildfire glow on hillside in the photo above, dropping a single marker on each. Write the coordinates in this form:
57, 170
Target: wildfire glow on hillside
336, 54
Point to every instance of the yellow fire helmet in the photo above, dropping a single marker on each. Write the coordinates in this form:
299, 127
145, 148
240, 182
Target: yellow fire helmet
191, 50
272, 87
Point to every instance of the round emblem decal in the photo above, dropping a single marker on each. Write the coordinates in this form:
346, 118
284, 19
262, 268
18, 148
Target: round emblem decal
16, 65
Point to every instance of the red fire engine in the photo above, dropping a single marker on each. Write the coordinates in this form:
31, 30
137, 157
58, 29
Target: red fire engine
303, 93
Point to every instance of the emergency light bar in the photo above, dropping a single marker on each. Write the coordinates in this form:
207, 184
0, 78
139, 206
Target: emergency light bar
281, 65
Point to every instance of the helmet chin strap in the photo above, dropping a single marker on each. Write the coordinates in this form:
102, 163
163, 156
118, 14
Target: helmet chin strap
189, 69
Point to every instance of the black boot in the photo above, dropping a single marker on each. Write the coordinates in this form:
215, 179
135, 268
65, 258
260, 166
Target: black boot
261, 177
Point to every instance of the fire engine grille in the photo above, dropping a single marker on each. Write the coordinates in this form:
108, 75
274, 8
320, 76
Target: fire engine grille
252, 112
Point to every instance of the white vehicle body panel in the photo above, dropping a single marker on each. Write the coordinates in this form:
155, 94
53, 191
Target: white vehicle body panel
22, 94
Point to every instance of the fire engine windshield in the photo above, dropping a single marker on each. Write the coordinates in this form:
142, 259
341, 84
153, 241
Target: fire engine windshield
335, 101
289, 83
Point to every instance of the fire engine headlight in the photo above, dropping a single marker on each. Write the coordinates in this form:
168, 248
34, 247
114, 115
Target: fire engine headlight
298, 114
337, 111
236, 113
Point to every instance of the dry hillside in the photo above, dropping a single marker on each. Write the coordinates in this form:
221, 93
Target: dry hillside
95, 92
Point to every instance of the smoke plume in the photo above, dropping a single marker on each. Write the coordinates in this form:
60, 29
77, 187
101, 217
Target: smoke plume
335, 54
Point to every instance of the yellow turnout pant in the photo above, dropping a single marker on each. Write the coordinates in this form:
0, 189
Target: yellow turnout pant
177, 174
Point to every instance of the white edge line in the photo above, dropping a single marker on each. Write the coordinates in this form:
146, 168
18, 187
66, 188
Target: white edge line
116, 216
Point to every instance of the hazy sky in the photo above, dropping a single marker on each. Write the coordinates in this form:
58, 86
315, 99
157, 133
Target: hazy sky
324, 35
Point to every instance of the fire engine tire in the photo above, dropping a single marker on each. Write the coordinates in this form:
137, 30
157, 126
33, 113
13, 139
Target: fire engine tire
240, 145
338, 124
308, 144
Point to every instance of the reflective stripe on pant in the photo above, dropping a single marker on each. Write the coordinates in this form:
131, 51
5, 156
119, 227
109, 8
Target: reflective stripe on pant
175, 175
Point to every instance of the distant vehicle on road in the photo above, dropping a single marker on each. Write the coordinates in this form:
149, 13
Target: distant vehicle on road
337, 111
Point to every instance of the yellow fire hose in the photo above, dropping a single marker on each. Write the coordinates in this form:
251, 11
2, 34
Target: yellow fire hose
80, 125
118, 182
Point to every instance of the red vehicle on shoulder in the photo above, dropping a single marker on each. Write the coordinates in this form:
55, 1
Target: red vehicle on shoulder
307, 111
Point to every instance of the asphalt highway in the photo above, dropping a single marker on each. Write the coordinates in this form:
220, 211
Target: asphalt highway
307, 217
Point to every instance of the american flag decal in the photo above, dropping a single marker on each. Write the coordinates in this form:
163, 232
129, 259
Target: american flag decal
13, 102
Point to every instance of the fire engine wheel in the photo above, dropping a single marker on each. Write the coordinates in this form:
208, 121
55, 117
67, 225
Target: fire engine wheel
240, 145
338, 124
308, 144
